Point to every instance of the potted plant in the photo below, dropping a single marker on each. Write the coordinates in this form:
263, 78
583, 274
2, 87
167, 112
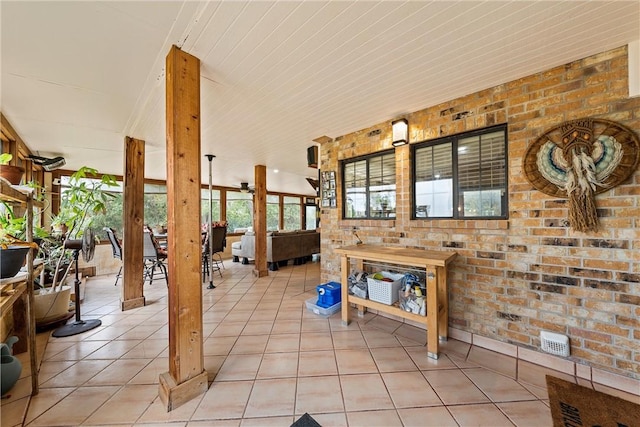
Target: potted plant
14, 248
13, 254
11, 173
83, 197
382, 201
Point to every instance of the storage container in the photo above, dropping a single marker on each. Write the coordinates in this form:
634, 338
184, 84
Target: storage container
412, 303
384, 291
322, 311
328, 294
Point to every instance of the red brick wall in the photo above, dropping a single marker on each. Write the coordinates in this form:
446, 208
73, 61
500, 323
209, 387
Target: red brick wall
514, 277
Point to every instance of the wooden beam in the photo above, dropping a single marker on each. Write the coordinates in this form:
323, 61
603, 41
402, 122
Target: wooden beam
184, 380
13, 137
17, 147
322, 139
260, 220
132, 295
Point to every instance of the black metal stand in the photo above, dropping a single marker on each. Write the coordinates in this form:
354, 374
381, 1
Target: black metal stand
79, 326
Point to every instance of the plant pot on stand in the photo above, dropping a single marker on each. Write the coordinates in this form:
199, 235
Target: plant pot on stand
11, 173
12, 259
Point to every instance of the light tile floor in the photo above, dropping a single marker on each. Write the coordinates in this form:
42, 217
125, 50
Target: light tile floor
270, 360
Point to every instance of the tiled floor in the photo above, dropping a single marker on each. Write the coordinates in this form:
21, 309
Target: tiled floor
269, 361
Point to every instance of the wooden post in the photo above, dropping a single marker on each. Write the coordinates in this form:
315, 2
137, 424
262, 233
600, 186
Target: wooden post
260, 220
186, 378
132, 294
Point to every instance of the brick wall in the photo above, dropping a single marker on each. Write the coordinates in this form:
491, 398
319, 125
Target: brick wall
515, 277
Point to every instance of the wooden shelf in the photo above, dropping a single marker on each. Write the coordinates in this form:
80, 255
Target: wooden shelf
17, 194
21, 286
10, 294
391, 309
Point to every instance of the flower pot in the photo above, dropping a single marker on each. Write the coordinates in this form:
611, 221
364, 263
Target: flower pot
12, 260
11, 173
51, 305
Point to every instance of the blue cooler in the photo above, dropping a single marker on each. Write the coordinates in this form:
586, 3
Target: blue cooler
328, 294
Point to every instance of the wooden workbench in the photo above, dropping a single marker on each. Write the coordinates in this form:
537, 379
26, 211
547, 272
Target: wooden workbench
435, 265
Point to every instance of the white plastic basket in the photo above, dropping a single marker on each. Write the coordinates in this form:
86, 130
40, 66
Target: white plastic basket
383, 291
555, 343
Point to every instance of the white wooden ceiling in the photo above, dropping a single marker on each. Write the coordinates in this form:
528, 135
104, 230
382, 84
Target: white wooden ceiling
77, 77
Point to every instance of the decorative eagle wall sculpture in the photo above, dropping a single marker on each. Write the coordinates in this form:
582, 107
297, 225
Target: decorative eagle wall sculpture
579, 159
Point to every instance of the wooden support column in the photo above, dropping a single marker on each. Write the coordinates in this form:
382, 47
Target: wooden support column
260, 220
186, 378
132, 295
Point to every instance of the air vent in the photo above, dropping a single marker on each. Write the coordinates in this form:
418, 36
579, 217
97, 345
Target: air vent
555, 343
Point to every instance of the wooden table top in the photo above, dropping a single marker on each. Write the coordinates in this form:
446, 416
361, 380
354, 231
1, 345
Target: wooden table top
397, 255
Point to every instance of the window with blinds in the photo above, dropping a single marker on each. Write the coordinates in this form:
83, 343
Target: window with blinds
369, 187
463, 176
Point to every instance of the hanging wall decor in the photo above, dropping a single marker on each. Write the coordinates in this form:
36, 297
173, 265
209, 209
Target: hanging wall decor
579, 159
329, 189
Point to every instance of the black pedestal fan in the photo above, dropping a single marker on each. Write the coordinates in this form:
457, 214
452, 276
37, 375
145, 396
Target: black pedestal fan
87, 246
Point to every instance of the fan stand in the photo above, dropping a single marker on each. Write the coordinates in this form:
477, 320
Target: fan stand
210, 243
79, 326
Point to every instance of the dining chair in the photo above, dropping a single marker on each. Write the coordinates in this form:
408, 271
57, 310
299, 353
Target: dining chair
116, 248
219, 242
154, 257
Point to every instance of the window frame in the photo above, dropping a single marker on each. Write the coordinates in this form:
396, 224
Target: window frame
453, 140
368, 158
62, 174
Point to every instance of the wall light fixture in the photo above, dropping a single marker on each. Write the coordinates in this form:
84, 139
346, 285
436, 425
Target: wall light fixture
400, 132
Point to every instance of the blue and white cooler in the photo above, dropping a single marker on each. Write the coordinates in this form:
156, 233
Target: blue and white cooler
328, 294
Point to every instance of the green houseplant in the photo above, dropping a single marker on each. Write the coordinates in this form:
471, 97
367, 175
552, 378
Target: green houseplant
83, 198
13, 247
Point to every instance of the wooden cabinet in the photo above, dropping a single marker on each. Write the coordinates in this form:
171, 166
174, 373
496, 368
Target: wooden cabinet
434, 264
17, 292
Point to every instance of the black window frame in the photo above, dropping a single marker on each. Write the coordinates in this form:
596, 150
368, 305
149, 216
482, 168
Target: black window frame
368, 158
453, 140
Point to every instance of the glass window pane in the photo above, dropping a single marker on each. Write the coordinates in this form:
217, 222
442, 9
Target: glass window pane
155, 210
310, 214
112, 217
239, 211
355, 180
370, 187
204, 203
273, 212
382, 188
292, 213
482, 173
434, 181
